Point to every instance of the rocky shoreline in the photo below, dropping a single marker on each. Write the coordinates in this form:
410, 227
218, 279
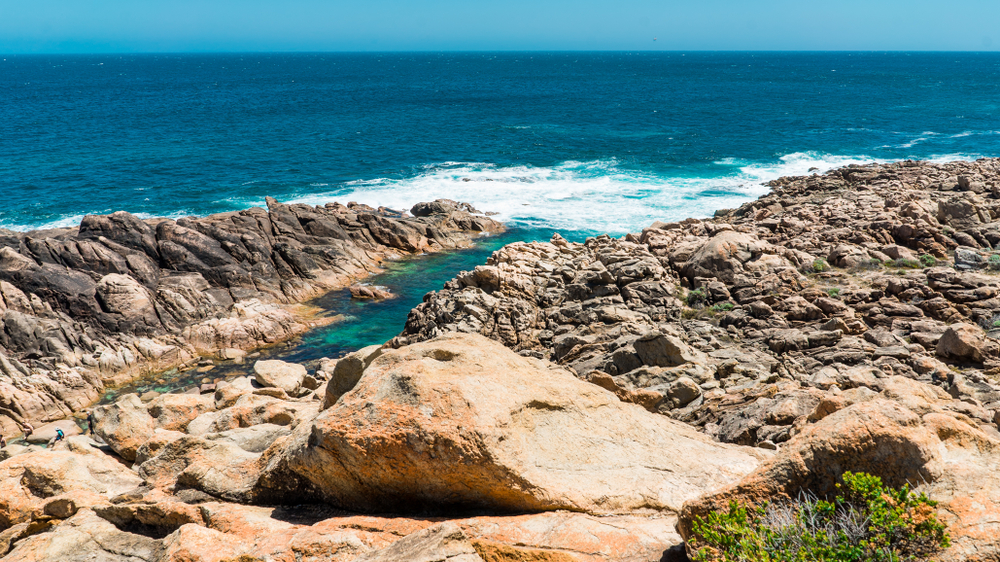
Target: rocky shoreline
117, 297
741, 324
570, 402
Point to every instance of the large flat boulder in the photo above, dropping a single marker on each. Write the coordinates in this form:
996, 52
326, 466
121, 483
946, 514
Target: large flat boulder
723, 255
279, 374
47, 432
461, 421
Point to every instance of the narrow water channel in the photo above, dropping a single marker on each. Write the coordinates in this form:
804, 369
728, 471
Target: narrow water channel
362, 322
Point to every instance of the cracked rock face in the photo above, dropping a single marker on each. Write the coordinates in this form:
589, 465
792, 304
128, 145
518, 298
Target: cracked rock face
119, 296
462, 422
766, 307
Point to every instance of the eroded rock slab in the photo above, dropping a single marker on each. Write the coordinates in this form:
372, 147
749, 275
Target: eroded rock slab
463, 422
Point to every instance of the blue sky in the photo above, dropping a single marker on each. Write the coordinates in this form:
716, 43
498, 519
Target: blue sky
89, 26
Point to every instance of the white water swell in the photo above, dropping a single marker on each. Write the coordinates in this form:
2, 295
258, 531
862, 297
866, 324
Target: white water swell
594, 196
598, 196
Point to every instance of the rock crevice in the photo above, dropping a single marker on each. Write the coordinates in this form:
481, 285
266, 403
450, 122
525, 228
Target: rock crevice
84, 307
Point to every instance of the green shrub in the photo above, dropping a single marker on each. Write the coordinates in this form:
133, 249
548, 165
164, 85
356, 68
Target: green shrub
927, 260
696, 297
723, 307
868, 522
907, 263
820, 265
870, 265
995, 324
690, 313
834, 292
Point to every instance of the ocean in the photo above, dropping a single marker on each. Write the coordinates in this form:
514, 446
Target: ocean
579, 143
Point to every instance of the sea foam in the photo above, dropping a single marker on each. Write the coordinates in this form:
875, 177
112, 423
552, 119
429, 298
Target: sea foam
597, 196
593, 196
71, 221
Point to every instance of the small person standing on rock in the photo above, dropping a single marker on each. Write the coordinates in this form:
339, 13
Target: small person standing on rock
3, 441
59, 437
27, 429
90, 422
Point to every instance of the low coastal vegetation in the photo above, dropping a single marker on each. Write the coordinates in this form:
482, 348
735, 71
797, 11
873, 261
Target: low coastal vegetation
867, 522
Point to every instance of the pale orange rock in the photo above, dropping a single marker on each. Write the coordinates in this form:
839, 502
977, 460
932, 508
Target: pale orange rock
220, 468
338, 539
252, 409
173, 412
28, 480
622, 538
463, 421
194, 543
124, 425
85, 537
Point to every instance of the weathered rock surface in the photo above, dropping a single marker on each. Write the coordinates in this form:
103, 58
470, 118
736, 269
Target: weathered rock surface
843, 322
837, 281
124, 425
193, 451
118, 296
279, 374
463, 422
442, 543
80, 503
29, 480
939, 452
85, 537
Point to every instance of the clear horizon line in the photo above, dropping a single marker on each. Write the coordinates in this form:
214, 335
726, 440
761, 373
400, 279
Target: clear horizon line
492, 51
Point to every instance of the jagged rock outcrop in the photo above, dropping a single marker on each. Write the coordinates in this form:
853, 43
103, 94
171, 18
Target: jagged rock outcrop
117, 296
838, 281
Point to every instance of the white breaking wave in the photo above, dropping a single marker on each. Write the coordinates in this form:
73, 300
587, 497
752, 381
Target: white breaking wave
953, 157
588, 197
595, 196
62, 222
71, 221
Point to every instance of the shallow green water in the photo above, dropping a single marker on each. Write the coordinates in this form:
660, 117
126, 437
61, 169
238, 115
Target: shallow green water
368, 322
363, 323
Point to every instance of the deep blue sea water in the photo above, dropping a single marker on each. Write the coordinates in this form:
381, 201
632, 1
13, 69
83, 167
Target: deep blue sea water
593, 141
576, 142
